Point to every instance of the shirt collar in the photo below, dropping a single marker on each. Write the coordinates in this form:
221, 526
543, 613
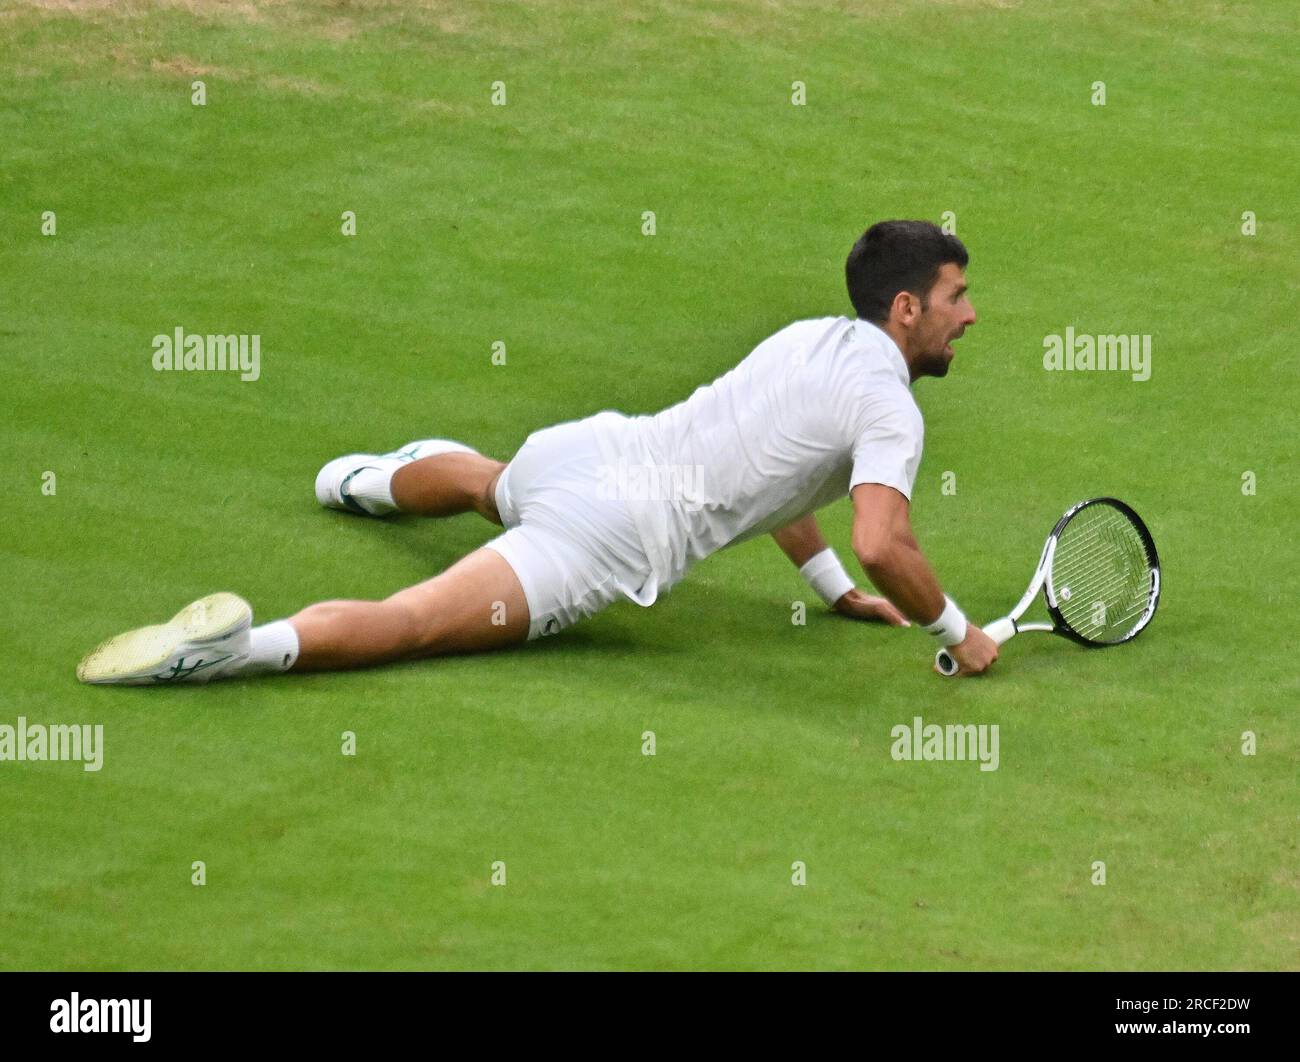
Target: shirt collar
894, 356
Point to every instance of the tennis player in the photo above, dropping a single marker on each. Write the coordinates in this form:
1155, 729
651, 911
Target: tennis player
617, 507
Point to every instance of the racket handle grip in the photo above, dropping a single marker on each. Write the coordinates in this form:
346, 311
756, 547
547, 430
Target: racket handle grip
946, 663
999, 630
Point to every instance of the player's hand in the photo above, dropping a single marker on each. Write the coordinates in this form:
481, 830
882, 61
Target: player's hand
975, 653
857, 605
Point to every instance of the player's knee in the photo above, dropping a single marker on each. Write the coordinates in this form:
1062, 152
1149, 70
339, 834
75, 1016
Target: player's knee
322, 612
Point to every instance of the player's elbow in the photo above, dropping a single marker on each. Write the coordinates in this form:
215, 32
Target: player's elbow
873, 552
883, 552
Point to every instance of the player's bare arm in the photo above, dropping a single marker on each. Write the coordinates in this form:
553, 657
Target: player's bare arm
802, 541
887, 549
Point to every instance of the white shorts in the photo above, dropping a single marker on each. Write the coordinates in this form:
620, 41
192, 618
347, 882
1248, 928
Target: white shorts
574, 549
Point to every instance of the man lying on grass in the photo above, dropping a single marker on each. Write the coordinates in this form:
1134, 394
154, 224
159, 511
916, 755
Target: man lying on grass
616, 507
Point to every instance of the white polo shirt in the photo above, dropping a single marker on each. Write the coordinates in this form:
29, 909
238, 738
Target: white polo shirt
814, 410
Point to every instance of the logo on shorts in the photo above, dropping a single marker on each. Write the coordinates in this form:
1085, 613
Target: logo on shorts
552, 626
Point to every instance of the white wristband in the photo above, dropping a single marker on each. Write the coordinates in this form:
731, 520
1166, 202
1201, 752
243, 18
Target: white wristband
826, 575
950, 627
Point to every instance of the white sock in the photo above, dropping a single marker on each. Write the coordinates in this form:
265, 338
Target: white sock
273, 648
370, 488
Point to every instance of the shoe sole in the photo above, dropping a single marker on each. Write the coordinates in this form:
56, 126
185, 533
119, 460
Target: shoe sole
131, 658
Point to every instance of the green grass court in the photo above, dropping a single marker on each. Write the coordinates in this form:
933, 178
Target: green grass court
522, 224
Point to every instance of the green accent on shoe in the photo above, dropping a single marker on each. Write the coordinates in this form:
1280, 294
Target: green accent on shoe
180, 671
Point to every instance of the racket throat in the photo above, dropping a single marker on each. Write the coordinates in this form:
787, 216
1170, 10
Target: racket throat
1002, 630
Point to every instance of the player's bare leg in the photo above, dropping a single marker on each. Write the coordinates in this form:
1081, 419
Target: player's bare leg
432, 477
448, 484
476, 604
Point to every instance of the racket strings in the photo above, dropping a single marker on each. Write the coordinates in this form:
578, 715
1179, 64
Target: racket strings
1101, 574
1101, 581
1087, 567
1106, 572
1105, 552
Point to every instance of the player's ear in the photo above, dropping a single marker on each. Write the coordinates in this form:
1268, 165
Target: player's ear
905, 308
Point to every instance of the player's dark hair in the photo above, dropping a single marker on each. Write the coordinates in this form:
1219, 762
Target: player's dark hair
894, 256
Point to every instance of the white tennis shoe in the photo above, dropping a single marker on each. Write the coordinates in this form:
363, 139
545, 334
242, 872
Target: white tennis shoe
205, 640
333, 479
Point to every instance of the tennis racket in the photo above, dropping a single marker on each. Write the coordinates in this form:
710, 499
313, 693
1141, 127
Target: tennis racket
1100, 578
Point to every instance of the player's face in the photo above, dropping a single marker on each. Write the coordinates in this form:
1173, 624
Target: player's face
948, 315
